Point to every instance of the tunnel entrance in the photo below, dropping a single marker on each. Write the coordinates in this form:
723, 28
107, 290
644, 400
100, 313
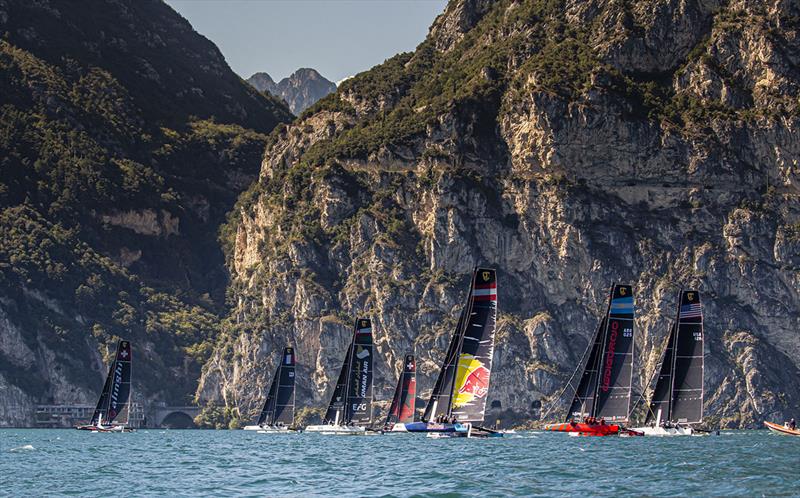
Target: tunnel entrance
178, 420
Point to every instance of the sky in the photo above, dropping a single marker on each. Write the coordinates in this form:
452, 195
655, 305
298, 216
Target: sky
338, 38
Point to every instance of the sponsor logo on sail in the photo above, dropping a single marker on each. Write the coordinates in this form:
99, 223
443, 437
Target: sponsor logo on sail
486, 276
612, 346
472, 380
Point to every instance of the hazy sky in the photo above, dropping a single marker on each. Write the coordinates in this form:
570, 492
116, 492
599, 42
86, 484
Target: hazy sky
339, 38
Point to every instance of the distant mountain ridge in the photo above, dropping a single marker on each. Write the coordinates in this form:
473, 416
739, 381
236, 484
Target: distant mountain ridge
300, 91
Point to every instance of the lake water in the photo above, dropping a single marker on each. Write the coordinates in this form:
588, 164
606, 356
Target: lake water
226, 463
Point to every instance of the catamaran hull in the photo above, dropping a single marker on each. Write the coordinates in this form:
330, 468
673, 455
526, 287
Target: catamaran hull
113, 428
782, 429
434, 427
581, 429
338, 430
267, 429
665, 431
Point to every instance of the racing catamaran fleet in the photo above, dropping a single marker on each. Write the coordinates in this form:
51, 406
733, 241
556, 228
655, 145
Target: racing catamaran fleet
601, 401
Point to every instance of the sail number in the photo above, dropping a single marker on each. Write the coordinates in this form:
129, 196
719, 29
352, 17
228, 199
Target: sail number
627, 332
698, 336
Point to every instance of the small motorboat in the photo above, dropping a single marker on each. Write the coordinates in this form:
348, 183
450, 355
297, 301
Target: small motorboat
782, 429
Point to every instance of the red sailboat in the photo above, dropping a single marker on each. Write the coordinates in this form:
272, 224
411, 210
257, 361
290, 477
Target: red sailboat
602, 399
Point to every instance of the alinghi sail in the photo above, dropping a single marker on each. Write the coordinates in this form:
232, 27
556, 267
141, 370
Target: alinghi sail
404, 400
279, 406
115, 397
351, 402
678, 395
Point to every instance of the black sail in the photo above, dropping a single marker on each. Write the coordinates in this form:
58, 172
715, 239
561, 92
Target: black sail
616, 361
279, 406
687, 383
117, 388
474, 366
662, 394
358, 407
404, 400
439, 402
336, 406
583, 402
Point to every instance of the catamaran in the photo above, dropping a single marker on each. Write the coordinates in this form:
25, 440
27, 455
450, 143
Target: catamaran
350, 409
115, 397
403, 406
458, 399
602, 400
677, 400
277, 416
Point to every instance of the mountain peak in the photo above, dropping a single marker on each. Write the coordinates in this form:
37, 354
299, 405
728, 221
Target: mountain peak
301, 90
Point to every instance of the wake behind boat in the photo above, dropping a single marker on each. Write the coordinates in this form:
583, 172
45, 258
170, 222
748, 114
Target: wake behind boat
115, 397
677, 400
350, 409
277, 415
602, 399
458, 399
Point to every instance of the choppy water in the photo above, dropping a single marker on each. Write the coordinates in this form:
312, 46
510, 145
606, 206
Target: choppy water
225, 463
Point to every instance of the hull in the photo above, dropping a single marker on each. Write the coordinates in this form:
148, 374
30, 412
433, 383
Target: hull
434, 427
781, 429
665, 431
398, 427
467, 430
251, 428
339, 430
582, 429
104, 428
268, 429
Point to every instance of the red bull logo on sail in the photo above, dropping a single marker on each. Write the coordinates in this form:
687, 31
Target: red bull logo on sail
472, 380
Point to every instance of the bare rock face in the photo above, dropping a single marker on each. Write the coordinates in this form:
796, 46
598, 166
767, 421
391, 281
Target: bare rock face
569, 146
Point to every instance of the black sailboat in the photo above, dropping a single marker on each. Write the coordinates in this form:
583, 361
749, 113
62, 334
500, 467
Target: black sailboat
677, 399
403, 406
350, 408
458, 399
115, 397
278, 411
602, 398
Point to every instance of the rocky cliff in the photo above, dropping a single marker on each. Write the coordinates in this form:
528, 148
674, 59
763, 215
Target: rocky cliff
300, 91
125, 138
569, 144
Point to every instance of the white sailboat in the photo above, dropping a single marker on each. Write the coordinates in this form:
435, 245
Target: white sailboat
277, 415
677, 400
350, 409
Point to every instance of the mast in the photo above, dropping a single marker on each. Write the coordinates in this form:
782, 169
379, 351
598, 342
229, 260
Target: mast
359, 389
476, 350
336, 405
615, 377
439, 402
688, 362
583, 401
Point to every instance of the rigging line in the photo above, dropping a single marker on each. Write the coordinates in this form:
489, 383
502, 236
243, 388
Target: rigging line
569, 382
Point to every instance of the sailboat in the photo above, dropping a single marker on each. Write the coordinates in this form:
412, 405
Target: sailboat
350, 409
602, 400
277, 416
403, 406
116, 394
458, 399
677, 400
